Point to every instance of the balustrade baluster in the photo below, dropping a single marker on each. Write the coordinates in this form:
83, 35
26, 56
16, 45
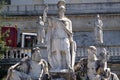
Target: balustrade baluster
14, 53
119, 51
82, 53
26, 52
11, 53
114, 51
22, 53
6, 56
86, 53
18, 53
110, 51
29, 53
78, 52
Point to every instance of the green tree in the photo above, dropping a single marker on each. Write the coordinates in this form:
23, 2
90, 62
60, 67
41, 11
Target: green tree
2, 3
3, 46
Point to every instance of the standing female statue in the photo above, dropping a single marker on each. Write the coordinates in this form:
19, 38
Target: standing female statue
98, 30
60, 44
41, 31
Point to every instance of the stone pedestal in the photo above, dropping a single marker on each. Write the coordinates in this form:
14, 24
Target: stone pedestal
40, 45
64, 74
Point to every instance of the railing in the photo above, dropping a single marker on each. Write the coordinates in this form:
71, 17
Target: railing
14, 55
114, 52
19, 53
81, 52
80, 8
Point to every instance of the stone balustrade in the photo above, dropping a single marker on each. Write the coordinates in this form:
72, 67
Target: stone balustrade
114, 52
80, 8
18, 53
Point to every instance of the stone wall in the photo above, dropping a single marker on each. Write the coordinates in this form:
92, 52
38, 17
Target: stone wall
79, 22
24, 23
22, 2
86, 38
81, 1
86, 22
82, 27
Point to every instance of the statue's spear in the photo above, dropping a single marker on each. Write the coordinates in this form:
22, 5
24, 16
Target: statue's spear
45, 13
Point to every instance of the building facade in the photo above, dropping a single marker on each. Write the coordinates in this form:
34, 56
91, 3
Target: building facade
82, 13
25, 14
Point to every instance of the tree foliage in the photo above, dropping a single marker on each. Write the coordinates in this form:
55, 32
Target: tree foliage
3, 46
2, 3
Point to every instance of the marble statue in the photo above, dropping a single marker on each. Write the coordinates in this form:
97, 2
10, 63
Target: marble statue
28, 68
107, 75
103, 56
91, 63
60, 44
102, 69
94, 67
85, 69
81, 69
98, 30
41, 31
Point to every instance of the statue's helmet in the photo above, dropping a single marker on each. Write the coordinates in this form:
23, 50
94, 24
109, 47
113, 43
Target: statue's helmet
61, 3
92, 48
98, 16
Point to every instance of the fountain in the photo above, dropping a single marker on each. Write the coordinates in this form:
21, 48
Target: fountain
61, 49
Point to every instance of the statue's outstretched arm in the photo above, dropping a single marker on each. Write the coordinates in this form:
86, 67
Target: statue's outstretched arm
45, 13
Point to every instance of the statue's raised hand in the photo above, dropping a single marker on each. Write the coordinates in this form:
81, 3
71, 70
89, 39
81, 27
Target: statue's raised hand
45, 13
